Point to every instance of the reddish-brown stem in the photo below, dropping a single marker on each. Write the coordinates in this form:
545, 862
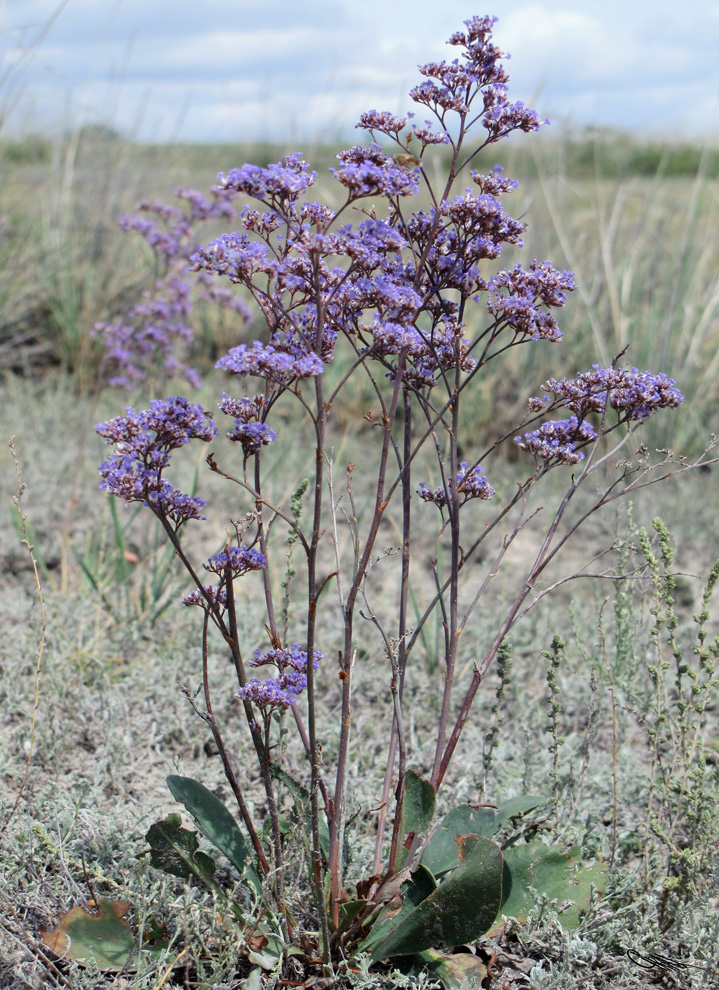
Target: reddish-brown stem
338, 818
384, 804
544, 556
226, 764
316, 879
398, 672
453, 503
269, 603
263, 755
399, 793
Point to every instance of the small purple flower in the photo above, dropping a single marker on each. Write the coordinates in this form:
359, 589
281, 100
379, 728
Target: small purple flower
469, 485
494, 184
473, 484
503, 118
249, 429
125, 477
458, 237
427, 136
427, 353
266, 694
316, 214
479, 74
370, 172
382, 121
236, 256
279, 692
391, 338
369, 243
634, 394
393, 297
174, 421
478, 30
175, 505
266, 361
252, 436
515, 297
239, 560
143, 442
279, 182
217, 597
540, 282
296, 658
440, 99
557, 440
245, 409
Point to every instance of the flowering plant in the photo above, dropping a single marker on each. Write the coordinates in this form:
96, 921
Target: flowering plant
396, 300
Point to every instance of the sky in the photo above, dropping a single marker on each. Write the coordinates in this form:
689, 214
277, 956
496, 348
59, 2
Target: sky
283, 70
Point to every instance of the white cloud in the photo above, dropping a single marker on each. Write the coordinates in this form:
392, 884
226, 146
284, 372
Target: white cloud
630, 65
312, 67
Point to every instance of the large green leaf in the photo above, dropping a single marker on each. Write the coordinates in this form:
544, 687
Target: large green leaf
417, 805
412, 892
456, 970
516, 808
459, 910
104, 936
174, 850
212, 817
441, 853
559, 876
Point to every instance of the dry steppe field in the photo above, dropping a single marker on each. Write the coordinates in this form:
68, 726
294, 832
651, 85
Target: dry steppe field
91, 727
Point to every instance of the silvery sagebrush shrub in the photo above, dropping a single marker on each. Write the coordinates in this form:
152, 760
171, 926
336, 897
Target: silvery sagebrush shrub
406, 301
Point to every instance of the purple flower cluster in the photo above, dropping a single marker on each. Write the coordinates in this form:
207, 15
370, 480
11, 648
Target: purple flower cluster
235, 560
427, 354
252, 436
143, 441
470, 485
237, 257
364, 282
250, 430
213, 597
634, 394
266, 361
289, 304
370, 172
300, 272
277, 184
282, 691
494, 183
515, 297
557, 440
453, 86
155, 335
238, 560
369, 244
456, 239
384, 122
